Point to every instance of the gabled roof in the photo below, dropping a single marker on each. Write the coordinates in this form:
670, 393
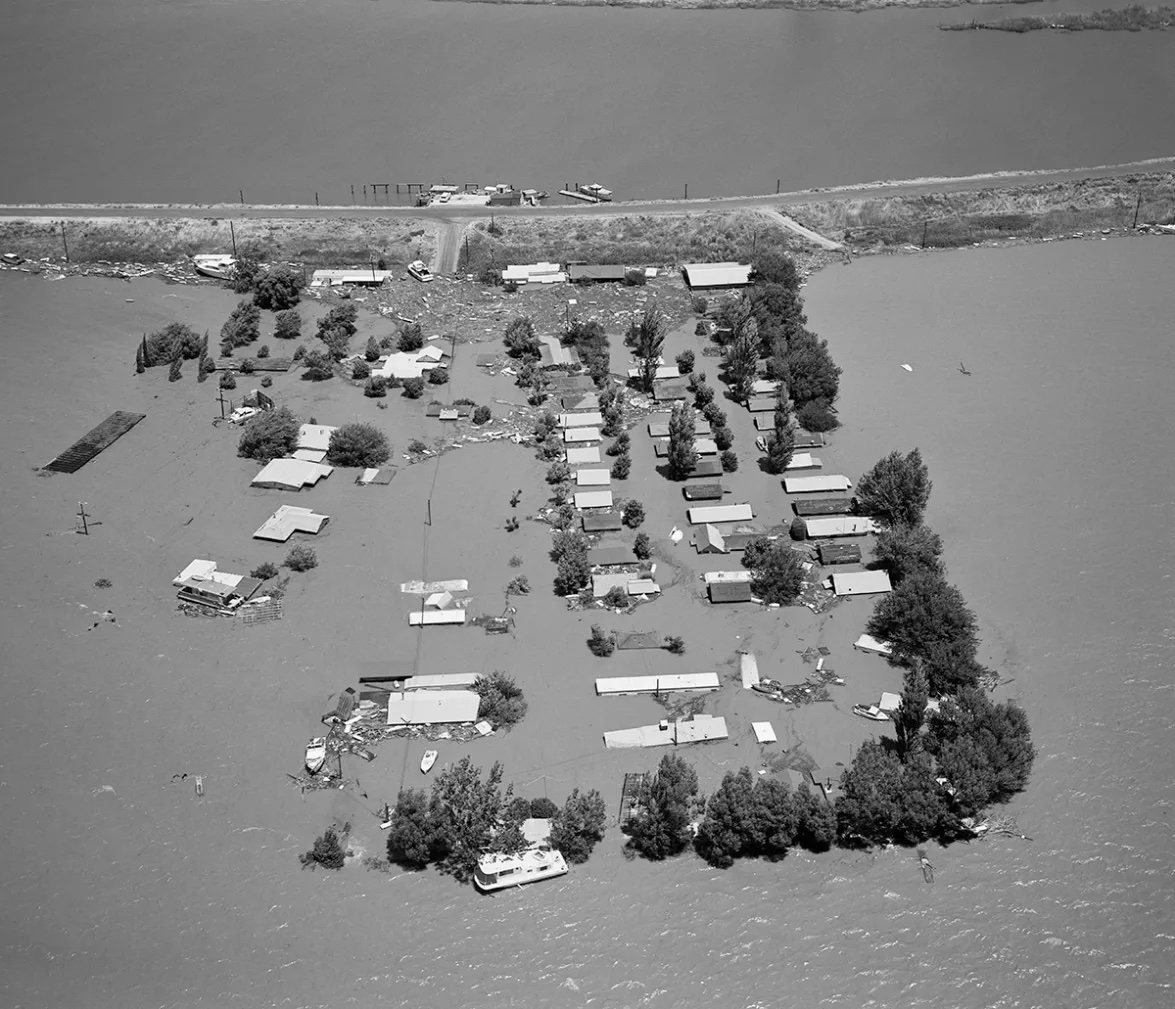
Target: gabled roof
291, 474
315, 437
716, 274
288, 520
700, 514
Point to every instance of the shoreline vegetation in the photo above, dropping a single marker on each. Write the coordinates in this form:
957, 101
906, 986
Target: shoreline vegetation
1135, 18
852, 6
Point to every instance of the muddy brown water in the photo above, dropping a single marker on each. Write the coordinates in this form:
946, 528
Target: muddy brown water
1052, 490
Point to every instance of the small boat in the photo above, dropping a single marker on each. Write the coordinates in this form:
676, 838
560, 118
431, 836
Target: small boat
870, 711
419, 271
217, 267
598, 191
316, 754
426, 762
496, 871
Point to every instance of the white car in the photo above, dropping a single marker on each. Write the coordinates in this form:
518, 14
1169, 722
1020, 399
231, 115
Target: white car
241, 414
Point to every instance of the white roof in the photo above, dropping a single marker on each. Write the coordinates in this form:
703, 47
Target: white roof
860, 583
839, 525
315, 436
716, 274
581, 434
663, 371
439, 600
293, 474
705, 446
309, 454
714, 538
591, 418
427, 588
643, 587
711, 577
890, 702
205, 571
603, 583
660, 428
428, 707
592, 478
694, 730
764, 386
868, 643
656, 684
815, 484
582, 455
764, 733
748, 669
804, 460
419, 618
701, 514
401, 365
435, 680
287, 520
593, 499
355, 275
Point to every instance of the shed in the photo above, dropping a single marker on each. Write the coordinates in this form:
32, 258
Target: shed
609, 523
711, 541
703, 492
610, 556
578, 435
860, 583
839, 553
702, 276
823, 506
595, 272
730, 592
287, 520
432, 707
699, 682
583, 456
889, 702
701, 514
764, 732
592, 478
593, 499
823, 484
291, 474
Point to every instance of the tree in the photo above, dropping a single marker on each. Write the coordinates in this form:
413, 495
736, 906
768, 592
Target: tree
341, 318
728, 829
337, 343
318, 366
723, 438
985, 750
558, 472
411, 338
621, 467
641, 547
616, 597
621, 445
925, 618
244, 275
777, 573
501, 702
911, 712
288, 325
414, 388
776, 819
227, 381
360, 370
464, 812
271, 434
779, 311
174, 373
715, 415
661, 828
729, 461
242, 327
683, 454
884, 800
808, 370
742, 359
897, 488
904, 550
438, 375
543, 808
375, 387
579, 826
703, 395
815, 820
482, 415
685, 362
264, 571
140, 366
773, 267
326, 852
263, 351
278, 288
572, 573
358, 444
410, 837
371, 351
301, 558
634, 514
176, 339
600, 644
817, 416
782, 443
647, 338
520, 338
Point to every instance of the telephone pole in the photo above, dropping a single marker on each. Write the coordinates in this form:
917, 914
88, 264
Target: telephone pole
221, 400
64, 243
84, 517
233, 232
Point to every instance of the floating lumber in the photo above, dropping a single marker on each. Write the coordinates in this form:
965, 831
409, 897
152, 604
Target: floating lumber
748, 669
94, 442
823, 506
839, 553
868, 643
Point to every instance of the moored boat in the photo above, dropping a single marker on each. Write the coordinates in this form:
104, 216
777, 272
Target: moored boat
497, 871
426, 762
315, 754
870, 711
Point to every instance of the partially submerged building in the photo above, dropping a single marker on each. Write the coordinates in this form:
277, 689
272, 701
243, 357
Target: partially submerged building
201, 584
289, 519
672, 683
291, 474
824, 484
432, 707
697, 729
860, 583
713, 514
715, 276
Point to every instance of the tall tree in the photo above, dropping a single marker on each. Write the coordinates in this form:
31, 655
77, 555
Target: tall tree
661, 829
904, 550
897, 488
520, 338
579, 826
683, 455
728, 830
465, 813
648, 341
410, 839
911, 712
815, 820
742, 359
782, 443
808, 369
777, 573
776, 819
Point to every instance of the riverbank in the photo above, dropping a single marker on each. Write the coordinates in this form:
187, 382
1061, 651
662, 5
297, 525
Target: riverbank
851, 6
1135, 18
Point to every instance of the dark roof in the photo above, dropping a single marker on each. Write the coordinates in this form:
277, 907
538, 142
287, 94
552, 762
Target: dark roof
595, 271
839, 553
610, 556
703, 491
707, 467
739, 541
672, 388
823, 506
805, 439
602, 523
730, 592
101, 437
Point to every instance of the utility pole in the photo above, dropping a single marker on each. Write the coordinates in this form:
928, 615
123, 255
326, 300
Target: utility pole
352, 196
777, 181
1137, 207
925, 226
687, 190
429, 520
221, 399
242, 192
64, 243
233, 233
84, 517
316, 199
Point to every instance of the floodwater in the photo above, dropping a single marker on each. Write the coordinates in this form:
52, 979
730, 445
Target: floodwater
1053, 491
197, 100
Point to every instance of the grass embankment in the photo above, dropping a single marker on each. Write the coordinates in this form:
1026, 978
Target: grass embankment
667, 240
953, 219
1135, 18
308, 241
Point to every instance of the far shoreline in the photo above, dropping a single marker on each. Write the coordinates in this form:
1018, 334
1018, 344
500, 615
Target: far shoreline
846, 6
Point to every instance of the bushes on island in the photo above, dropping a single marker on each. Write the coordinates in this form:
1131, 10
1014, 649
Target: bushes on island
301, 558
326, 852
358, 445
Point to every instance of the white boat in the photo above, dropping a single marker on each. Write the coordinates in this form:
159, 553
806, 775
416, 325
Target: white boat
216, 266
315, 754
426, 762
870, 711
596, 190
496, 871
419, 271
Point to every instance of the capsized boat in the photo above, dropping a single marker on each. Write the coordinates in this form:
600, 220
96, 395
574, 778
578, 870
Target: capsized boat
217, 266
315, 754
419, 271
870, 711
497, 871
426, 762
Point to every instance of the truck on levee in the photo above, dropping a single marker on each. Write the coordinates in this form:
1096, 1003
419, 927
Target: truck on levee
497, 871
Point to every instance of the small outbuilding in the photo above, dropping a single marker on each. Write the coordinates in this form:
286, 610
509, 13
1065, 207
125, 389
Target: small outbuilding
730, 592
712, 276
609, 523
860, 583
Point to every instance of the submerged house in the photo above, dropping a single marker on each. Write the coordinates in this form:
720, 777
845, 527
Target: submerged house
202, 585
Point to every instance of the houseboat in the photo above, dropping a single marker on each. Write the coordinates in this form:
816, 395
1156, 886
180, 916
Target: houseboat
496, 871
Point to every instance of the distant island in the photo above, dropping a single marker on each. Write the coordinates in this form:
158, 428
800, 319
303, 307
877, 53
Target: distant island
1135, 18
798, 5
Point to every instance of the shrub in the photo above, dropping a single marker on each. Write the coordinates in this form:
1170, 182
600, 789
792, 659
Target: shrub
387, 342
729, 461
703, 396
482, 415
248, 367
715, 415
339, 318
543, 808
360, 370
301, 558
798, 530
174, 373
777, 573
723, 438
411, 337
174, 339
641, 547
685, 362
621, 467
414, 388
661, 828
410, 838
578, 827
271, 434
326, 852
263, 351
375, 387
502, 702
438, 376
621, 445
616, 598
278, 288
601, 645
699, 304
675, 645
702, 328
520, 338
358, 444
318, 366
299, 352
264, 571
266, 382
242, 327
244, 274
635, 278
518, 586
288, 325
227, 381
558, 472
516, 561
634, 514
817, 416
371, 351
416, 447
